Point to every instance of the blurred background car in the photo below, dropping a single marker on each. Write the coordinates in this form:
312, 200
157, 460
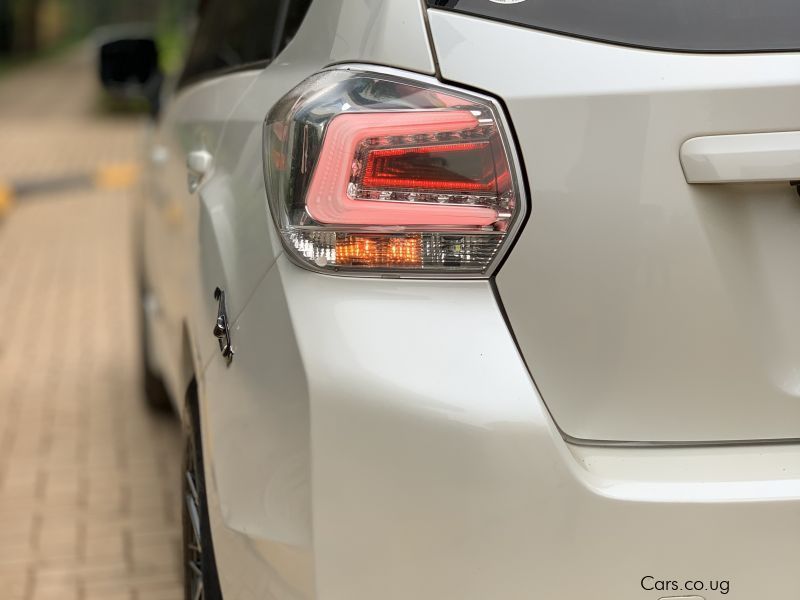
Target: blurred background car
128, 61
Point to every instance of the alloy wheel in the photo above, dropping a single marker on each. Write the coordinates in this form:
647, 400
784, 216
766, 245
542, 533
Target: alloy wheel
192, 534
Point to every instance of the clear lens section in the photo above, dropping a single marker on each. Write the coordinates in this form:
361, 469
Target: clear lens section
411, 251
373, 173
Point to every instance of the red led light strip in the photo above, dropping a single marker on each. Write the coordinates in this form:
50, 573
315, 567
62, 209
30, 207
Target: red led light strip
373, 179
327, 200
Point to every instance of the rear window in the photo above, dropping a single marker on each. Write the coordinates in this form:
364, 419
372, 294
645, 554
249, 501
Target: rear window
233, 34
683, 25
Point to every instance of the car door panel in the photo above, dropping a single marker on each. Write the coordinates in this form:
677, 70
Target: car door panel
194, 121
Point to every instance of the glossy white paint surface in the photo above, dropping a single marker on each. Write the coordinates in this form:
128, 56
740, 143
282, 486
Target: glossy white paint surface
384, 439
710, 474
221, 235
258, 443
257, 440
389, 443
648, 309
746, 157
383, 32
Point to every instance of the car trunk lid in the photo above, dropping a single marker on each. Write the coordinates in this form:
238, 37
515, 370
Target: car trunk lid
648, 309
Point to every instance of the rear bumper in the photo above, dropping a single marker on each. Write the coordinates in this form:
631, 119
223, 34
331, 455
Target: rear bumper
383, 439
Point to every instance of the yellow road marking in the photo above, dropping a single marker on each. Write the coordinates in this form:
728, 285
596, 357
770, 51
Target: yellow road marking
108, 177
6, 199
116, 176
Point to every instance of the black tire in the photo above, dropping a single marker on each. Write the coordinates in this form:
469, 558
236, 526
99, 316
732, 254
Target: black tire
155, 392
200, 567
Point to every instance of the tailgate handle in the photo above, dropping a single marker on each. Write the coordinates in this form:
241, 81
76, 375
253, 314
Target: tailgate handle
746, 157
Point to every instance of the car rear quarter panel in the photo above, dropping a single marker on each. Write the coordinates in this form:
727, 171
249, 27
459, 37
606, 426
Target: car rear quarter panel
389, 443
256, 414
383, 439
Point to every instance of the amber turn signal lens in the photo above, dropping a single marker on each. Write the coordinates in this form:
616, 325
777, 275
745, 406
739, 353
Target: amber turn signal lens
356, 250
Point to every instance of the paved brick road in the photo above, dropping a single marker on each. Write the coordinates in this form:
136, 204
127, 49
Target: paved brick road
88, 477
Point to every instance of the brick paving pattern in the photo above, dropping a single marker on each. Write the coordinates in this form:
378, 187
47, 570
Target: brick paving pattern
89, 478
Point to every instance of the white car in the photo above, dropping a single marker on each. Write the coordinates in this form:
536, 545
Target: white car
482, 299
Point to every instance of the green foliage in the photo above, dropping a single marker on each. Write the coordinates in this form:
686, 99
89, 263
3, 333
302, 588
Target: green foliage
31, 26
172, 45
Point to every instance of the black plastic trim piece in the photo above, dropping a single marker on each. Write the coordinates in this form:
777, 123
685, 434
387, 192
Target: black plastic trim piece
492, 11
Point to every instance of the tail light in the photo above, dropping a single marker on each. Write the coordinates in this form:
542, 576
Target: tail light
376, 173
